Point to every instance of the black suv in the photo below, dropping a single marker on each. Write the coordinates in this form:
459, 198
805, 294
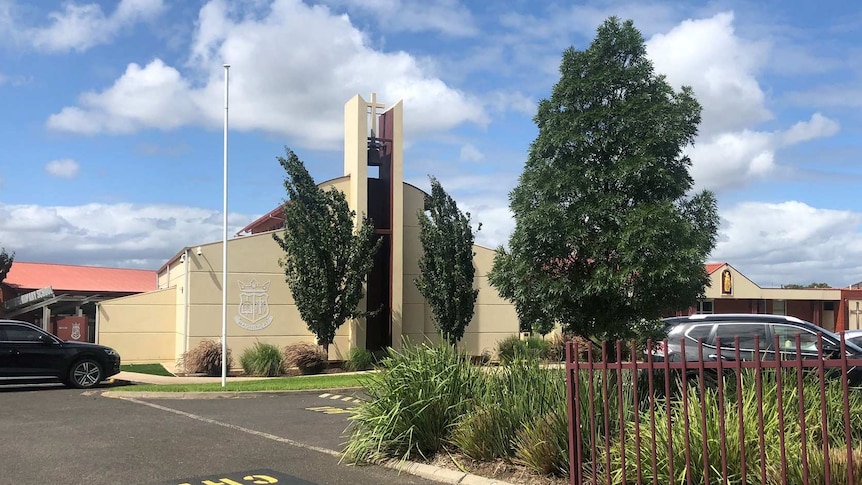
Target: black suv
27, 351
727, 326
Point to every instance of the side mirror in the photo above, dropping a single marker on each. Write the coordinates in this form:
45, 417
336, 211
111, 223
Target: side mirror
46, 340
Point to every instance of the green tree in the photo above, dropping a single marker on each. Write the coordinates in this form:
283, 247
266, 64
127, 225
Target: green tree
795, 286
326, 261
5, 263
446, 265
607, 236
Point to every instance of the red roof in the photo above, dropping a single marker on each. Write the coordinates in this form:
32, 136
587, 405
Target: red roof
270, 221
65, 277
713, 267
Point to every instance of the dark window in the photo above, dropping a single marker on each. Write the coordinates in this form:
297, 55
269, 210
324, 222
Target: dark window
700, 331
15, 333
746, 333
828, 306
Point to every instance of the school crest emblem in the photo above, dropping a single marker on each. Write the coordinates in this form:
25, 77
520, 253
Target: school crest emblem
253, 306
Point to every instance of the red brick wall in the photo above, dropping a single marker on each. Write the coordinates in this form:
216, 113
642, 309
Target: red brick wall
802, 309
732, 306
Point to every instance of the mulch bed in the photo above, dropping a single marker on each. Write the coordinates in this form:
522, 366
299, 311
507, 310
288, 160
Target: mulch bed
498, 470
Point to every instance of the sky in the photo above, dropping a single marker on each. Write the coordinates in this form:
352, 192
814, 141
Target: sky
113, 113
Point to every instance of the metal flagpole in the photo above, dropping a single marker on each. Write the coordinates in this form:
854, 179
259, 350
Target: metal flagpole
224, 243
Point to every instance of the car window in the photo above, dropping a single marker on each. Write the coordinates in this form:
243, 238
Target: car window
727, 332
700, 331
807, 340
15, 333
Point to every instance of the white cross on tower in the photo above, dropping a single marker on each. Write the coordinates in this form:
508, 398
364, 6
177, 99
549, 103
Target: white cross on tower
374, 105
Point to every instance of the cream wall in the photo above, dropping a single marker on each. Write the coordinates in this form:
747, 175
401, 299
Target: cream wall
251, 259
745, 289
142, 328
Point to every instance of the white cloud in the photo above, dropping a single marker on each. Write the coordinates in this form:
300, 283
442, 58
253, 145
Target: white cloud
819, 126
512, 101
791, 242
445, 16
470, 153
78, 26
64, 168
735, 158
707, 55
121, 235
722, 69
297, 91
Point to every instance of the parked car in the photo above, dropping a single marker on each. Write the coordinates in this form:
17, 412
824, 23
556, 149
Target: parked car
854, 337
725, 327
27, 351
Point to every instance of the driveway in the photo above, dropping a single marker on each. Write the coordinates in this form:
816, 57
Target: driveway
55, 435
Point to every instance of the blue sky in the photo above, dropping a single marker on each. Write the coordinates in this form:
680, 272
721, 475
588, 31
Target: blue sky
112, 114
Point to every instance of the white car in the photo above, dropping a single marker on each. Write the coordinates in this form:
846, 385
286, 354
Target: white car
853, 336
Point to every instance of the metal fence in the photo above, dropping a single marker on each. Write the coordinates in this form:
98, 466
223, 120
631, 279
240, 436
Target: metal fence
639, 416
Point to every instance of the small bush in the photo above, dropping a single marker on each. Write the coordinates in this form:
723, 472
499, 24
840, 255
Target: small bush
413, 402
262, 360
359, 359
308, 358
205, 358
513, 348
518, 393
543, 445
557, 347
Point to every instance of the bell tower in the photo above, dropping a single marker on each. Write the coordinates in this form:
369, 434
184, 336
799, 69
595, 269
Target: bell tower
375, 139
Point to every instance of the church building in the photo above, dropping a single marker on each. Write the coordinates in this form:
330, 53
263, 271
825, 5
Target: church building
159, 326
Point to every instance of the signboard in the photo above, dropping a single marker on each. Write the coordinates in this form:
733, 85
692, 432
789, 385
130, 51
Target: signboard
72, 328
28, 298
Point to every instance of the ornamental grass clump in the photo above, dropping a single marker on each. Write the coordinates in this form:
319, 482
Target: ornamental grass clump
414, 400
204, 359
263, 360
513, 348
516, 394
707, 411
359, 359
308, 358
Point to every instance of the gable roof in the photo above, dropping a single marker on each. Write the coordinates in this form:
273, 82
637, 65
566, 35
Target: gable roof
713, 267
64, 277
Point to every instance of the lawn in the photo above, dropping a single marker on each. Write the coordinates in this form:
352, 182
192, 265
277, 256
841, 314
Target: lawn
332, 381
152, 369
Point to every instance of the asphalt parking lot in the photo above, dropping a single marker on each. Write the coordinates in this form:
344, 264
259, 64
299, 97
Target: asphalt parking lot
50, 434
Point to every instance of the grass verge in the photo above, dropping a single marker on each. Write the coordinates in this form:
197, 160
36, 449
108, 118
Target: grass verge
303, 383
152, 369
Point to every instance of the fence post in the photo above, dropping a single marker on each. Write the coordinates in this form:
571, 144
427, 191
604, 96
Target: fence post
574, 418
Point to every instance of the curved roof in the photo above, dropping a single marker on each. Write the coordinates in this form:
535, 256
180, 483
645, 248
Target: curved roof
65, 277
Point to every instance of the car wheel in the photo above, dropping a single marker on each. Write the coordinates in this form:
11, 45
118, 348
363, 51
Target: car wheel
85, 374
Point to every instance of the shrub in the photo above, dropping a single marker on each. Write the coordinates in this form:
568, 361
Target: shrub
519, 393
414, 400
512, 348
359, 359
707, 411
262, 360
205, 358
308, 358
543, 445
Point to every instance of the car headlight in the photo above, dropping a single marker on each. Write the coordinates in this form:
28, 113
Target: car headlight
111, 352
